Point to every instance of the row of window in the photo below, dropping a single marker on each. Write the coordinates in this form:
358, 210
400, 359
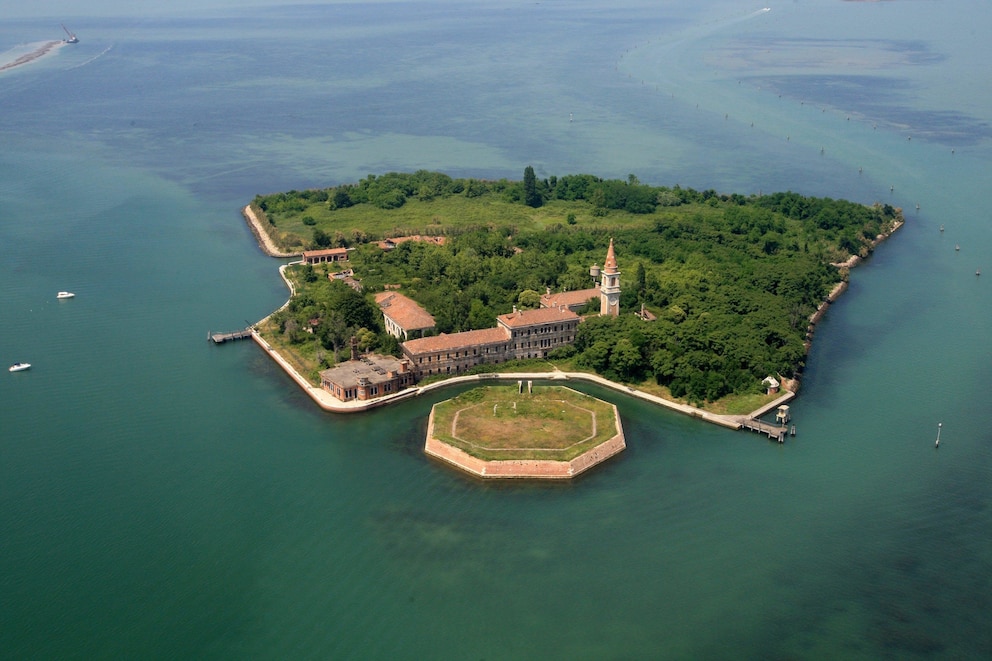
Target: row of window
543, 330
447, 368
547, 342
460, 354
371, 391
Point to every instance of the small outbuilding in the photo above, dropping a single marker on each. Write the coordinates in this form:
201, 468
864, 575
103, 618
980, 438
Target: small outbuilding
326, 255
782, 416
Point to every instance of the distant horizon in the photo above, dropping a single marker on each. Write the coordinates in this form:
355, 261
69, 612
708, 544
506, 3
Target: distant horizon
58, 10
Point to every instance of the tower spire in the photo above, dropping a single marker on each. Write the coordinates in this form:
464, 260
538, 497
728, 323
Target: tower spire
609, 288
611, 259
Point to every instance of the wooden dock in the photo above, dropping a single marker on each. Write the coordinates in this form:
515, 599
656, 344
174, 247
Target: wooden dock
774, 432
221, 338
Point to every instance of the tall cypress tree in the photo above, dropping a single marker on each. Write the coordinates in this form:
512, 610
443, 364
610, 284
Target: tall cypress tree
531, 197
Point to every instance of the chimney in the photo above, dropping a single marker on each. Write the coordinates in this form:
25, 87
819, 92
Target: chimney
354, 348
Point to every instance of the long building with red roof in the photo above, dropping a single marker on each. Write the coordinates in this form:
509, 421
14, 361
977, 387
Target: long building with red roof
574, 300
518, 334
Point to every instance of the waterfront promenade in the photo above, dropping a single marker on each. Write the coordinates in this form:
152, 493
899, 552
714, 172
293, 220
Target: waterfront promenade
328, 402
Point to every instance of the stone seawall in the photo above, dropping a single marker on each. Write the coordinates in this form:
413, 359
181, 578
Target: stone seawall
532, 469
841, 287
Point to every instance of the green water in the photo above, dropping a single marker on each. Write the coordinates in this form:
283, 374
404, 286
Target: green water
163, 497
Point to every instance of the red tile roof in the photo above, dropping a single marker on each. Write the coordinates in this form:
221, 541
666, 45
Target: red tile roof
569, 298
404, 311
524, 318
456, 341
610, 265
325, 251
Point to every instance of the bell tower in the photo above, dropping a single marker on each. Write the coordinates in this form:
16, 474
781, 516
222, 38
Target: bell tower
609, 288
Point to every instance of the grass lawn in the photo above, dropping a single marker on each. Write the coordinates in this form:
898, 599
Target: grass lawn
497, 422
442, 215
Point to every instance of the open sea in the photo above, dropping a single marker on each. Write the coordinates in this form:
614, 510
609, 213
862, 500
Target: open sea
161, 497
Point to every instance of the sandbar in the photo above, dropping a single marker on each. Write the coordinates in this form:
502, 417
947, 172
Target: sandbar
46, 48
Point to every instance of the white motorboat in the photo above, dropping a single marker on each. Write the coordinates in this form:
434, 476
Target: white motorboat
64, 294
20, 367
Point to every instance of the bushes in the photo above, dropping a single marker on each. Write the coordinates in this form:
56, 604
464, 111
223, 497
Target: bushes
731, 278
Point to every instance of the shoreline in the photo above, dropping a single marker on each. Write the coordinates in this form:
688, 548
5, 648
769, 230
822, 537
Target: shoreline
328, 402
841, 287
524, 469
265, 242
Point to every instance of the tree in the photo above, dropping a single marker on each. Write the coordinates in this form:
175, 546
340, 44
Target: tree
532, 197
333, 331
640, 280
625, 359
320, 238
529, 299
733, 285
367, 340
341, 199
597, 356
480, 316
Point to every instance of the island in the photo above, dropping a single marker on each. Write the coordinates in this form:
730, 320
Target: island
39, 50
703, 302
523, 431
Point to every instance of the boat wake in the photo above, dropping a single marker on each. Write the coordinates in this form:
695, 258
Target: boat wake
95, 57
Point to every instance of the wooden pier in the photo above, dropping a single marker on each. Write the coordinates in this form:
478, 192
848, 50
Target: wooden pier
774, 432
221, 338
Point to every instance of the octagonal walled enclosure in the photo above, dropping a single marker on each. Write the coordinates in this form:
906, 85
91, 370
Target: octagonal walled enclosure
524, 431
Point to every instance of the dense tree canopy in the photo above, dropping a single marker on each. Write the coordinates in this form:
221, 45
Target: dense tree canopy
731, 279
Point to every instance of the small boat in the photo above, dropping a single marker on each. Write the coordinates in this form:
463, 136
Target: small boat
64, 294
20, 367
70, 37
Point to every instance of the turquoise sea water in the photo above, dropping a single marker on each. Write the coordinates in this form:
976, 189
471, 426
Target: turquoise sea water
161, 497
